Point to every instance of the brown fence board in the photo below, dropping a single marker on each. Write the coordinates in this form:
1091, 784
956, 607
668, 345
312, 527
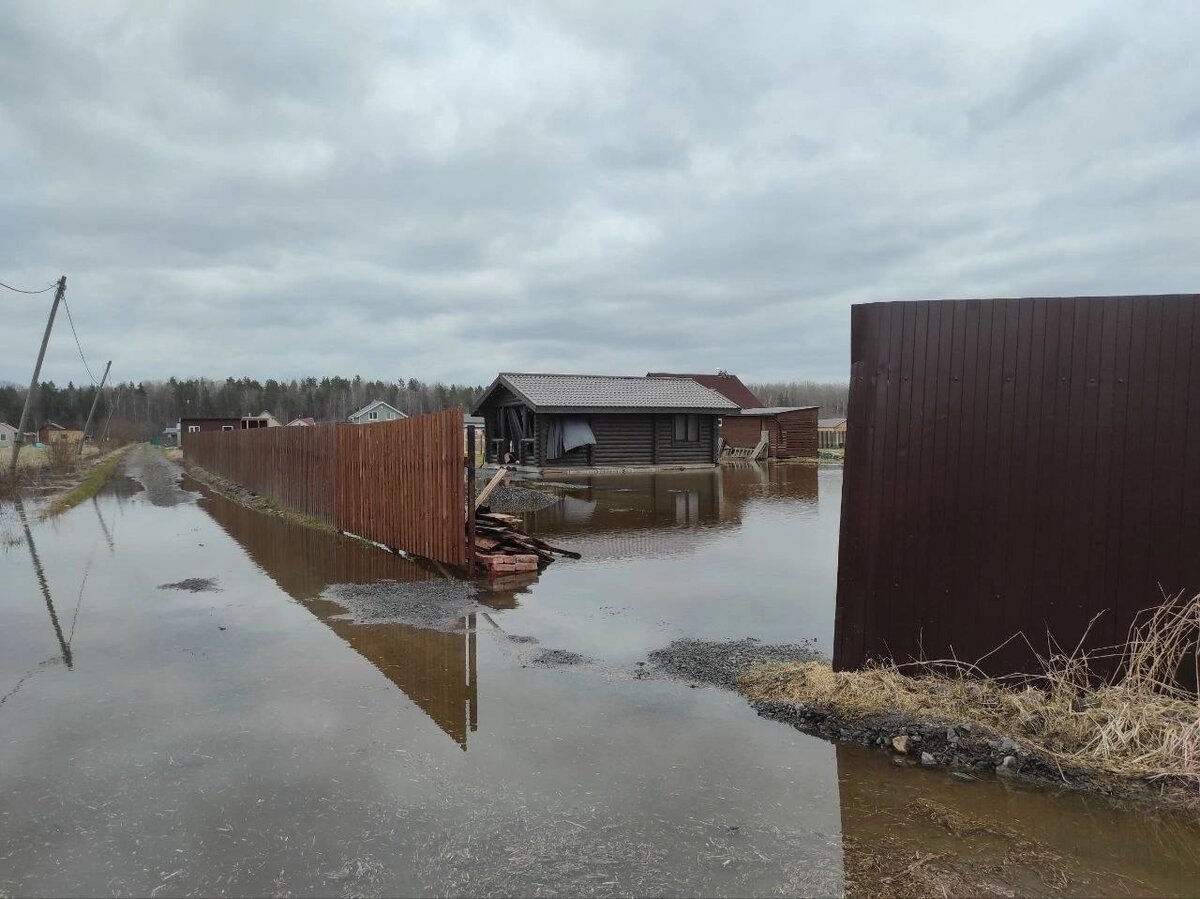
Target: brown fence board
399, 483
1016, 465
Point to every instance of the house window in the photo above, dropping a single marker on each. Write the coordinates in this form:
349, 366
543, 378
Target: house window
193, 429
687, 429
372, 415
226, 427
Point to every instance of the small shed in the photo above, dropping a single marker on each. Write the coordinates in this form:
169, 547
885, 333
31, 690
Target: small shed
831, 433
551, 421
52, 432
790, 431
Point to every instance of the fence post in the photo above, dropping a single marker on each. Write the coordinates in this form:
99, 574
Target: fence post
470, 459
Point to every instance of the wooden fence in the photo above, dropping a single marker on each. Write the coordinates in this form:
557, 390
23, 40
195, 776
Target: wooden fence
1016, 465
399, 483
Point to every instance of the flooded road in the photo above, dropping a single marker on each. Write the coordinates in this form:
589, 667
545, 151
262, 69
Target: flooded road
264, 725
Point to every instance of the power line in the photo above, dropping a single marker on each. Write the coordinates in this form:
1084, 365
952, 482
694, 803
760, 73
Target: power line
78, 345
19, 290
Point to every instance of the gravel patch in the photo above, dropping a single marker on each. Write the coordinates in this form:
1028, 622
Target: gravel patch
511, 498
432, 605
194, 585
556, 657
721, 664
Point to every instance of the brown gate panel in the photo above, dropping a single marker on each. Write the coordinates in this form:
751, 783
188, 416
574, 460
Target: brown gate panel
399, 483
1016, 466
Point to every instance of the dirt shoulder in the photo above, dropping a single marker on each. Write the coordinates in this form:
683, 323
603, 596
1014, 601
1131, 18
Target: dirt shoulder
952, 723
245, 497
84, 482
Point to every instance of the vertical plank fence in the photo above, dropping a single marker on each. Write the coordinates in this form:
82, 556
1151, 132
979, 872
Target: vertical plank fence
400, 483
1016, 466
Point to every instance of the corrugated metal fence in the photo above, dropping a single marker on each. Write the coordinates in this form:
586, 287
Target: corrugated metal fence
1016, 465
399, 483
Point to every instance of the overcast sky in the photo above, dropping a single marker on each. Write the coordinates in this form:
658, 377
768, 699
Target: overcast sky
443, 191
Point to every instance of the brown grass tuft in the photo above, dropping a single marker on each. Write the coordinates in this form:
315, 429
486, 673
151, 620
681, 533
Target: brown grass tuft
1139, 723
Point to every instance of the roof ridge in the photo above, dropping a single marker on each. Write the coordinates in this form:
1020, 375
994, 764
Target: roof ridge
555, 374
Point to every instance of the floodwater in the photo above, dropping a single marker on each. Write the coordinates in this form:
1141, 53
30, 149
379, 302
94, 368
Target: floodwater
244, 737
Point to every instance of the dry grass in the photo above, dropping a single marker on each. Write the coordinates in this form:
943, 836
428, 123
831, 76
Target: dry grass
37, 456
62, 457
1137, 723
88, 487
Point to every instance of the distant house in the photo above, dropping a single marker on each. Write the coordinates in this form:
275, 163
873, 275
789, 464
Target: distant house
308, 422
52, 432
729, 386
831, 433
790, 432
376, 411
201, 425
262, 420
547, 422
170, 435
8, 435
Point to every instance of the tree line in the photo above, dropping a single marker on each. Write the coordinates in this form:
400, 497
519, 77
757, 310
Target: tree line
141, 410
831, 396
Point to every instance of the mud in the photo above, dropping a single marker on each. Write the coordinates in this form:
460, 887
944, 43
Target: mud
193, 585
722, 663
158, 476
965, 749
436, 604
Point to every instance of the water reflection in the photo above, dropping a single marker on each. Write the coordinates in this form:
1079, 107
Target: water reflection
998, 837
666, 513
63, 643
436, 669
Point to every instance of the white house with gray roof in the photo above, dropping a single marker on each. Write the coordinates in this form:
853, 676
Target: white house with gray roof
552, 422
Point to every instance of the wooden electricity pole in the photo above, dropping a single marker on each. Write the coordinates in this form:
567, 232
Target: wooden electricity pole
37, 371
95, 403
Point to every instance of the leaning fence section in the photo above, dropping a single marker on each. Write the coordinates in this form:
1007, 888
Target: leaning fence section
398, 483
1016, 466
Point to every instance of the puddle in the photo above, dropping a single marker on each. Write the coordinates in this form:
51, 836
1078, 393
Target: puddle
146, 750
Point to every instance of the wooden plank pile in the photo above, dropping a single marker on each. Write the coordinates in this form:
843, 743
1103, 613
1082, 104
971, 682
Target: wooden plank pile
503, 547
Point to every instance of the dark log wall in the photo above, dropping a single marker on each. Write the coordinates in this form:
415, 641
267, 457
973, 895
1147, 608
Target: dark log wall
1016, 465
630, 440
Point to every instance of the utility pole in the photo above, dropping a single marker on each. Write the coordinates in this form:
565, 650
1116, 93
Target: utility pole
111, 410
95, 403
37, 371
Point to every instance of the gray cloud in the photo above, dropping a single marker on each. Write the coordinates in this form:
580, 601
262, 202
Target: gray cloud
444, 190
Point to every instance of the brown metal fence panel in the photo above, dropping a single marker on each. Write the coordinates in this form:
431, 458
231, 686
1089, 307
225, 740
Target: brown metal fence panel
1016, 466
403, 484
399, 483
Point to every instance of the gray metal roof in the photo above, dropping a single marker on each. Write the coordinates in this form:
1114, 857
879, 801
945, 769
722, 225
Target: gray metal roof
775, 410
548, 392
830, 422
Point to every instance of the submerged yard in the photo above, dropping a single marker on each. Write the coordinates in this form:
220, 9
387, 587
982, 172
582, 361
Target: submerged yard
199, 698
